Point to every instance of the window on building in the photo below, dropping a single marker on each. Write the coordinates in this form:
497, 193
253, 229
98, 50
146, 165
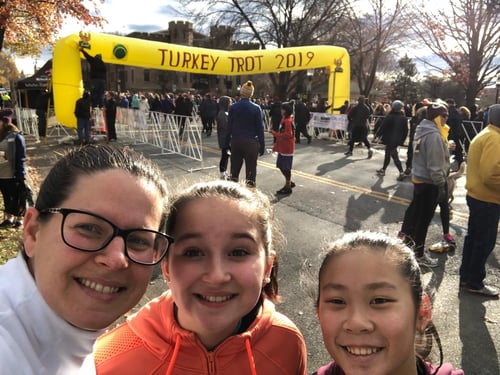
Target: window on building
147, 74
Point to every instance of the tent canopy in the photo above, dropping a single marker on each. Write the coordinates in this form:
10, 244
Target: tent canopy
38, 81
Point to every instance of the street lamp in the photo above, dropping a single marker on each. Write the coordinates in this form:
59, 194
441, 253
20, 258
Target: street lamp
498, 87
338, 69
310, 74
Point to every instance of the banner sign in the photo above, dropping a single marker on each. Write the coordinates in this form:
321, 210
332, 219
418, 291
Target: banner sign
328, 121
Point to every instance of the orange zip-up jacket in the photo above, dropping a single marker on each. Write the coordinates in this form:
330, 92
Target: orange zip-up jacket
152, 342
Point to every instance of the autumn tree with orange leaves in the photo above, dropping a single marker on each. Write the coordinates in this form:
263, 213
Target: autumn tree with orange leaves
27, 26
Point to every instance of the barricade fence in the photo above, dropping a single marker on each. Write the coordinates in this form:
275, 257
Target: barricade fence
171, 134
470, 130
27, 121
182, 135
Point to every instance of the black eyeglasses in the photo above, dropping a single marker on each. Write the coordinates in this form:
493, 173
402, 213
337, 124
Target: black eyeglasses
89, 232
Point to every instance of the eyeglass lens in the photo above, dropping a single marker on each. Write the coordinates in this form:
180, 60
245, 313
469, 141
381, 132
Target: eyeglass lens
87, 232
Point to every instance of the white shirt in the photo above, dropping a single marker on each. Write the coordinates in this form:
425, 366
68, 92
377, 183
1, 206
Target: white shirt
33, 339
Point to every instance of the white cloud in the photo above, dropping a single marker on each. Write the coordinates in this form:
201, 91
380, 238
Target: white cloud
123, 16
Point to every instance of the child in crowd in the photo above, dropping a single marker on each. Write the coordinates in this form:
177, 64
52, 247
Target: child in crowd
371, 307
218, 316
285, 147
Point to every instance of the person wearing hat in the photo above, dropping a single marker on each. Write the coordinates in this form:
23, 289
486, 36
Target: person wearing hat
12, 173
431, 163
393, 132
97, 78
483, 199
245, 135
285, 147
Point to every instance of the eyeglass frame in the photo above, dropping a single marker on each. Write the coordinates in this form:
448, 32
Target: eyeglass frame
117, 232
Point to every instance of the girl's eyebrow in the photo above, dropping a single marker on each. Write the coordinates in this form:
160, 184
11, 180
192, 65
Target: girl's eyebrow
191, 235
371, 286
381, 285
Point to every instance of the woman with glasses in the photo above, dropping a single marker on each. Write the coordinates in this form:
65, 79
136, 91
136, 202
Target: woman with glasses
219, 315
88, 252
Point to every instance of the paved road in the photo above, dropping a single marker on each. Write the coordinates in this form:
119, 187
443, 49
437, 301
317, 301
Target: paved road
335, 194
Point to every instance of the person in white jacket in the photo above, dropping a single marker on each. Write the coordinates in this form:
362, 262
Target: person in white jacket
87, 257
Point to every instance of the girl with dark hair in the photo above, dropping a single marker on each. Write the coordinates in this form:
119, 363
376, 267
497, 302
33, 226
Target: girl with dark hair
372, 308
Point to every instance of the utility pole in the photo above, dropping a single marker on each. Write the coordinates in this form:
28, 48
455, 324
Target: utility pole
498, 87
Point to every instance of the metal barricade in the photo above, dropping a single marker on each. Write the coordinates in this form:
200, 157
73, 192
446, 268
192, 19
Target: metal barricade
27, 121
470, 130
170, 133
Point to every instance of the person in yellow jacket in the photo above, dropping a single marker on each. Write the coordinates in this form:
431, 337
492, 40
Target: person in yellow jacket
483, 199
219, 315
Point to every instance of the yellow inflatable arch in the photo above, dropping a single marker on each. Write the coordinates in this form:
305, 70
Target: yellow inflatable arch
67, 81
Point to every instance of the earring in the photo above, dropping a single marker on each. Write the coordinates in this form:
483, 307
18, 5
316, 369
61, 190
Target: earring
267, 280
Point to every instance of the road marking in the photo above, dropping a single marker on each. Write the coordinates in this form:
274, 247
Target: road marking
343, 185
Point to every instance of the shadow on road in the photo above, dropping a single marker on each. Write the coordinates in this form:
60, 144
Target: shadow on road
476, 358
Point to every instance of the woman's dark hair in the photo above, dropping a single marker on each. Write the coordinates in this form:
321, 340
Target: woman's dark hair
91, 159
261, 207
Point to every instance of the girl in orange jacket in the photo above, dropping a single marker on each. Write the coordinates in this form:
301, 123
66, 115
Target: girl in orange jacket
218, 316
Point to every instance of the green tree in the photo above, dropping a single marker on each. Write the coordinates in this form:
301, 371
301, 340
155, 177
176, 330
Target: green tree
404, 87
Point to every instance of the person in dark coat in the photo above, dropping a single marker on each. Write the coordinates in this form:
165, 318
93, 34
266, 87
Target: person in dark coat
97, 78
221, 119
393, 132
302, 117
420, 111
456, 131
245, 135
358, 117
184, 108
110, 116
42, 106
208, 111
275, 113
82, 113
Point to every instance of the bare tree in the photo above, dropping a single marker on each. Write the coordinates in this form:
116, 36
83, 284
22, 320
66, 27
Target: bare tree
372, 36
466, 37
276, 23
